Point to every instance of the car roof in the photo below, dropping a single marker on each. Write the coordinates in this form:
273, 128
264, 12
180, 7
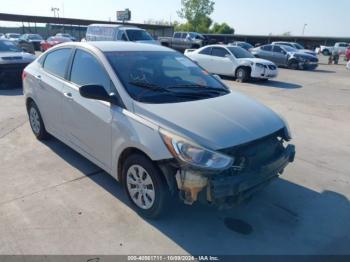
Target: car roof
110, 46
116, 26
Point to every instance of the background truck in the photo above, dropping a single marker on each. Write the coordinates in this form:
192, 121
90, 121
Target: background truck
184, 40
339, 47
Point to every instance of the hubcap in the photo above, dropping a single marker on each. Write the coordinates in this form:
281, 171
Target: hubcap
34, 120
140, 187
240, 73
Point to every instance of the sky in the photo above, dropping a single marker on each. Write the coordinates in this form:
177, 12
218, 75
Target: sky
257, 17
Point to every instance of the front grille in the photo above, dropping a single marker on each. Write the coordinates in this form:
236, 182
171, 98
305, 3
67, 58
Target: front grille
253, 155
11, 58
272, 67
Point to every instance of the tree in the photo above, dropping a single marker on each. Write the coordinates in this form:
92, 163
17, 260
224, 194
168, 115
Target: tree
222, 29
197, 13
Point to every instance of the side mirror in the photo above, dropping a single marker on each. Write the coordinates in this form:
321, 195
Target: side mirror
98, 92
227, 56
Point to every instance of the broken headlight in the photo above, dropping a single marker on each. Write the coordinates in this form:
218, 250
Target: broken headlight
193, 154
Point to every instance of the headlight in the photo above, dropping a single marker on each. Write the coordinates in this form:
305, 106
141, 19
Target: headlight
286, 130
195, 155
300, 58
259, 65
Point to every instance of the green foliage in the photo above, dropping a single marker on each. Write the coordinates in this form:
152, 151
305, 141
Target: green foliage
197, 13
222, 29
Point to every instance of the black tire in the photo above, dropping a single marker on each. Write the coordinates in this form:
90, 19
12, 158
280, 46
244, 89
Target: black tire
37, 124
161, 191
293, 64
326, 52
242, 75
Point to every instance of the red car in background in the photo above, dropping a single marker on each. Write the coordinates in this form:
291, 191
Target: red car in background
52, 41
347, 54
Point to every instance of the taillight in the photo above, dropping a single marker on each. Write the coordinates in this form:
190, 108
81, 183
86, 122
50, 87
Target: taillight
24, 75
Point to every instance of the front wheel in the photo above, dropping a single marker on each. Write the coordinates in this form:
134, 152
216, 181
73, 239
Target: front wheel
36, 122
242, 74
293, 65
145, 186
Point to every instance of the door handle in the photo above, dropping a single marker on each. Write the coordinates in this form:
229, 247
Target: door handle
68, 95
38, 77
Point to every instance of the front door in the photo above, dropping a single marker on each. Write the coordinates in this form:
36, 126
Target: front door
88, 122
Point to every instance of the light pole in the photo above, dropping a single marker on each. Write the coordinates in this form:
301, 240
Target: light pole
54, 10
305, 25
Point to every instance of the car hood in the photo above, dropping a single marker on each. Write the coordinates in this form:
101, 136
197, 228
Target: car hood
255, 60
154, 42
308, 51
16, 57
215, 123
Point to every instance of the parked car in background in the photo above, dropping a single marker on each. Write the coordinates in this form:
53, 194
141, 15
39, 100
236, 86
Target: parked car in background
13, 36
65, 35
340, 48
286, 56
33, 39
297, 46
244, 45
108, 32
52, 41
232, 61
165, 127
347, 54
12, 62
184, 40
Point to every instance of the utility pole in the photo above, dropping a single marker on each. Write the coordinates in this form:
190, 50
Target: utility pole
305, 25
55, 10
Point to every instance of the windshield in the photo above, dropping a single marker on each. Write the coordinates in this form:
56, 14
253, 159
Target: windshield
163, 77
138, 35
246, 46
9, 46
239, 52
298, 46
35, 37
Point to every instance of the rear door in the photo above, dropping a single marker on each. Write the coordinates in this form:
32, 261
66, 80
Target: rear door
50, 80
87, 122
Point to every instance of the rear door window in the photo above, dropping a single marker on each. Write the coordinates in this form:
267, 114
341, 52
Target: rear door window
219, 52
267, 48
206, 51
56, 61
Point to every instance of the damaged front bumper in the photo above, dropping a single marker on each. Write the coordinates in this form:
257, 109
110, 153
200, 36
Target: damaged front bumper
234, 185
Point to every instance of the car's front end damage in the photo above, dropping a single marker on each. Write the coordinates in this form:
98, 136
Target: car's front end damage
253, 166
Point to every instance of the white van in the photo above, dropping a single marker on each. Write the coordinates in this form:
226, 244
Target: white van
110, 32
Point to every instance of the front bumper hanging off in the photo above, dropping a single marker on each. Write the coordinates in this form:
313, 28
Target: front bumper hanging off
234, 189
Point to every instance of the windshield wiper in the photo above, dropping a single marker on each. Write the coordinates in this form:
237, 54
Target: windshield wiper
197, 87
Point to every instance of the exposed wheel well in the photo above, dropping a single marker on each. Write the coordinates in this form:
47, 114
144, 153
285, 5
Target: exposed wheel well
168, 174
28, 102
124, 155
248, 68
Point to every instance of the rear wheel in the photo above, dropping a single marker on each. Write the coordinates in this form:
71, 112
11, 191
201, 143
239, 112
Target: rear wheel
143, 183
36, 122
326, 52
242, 74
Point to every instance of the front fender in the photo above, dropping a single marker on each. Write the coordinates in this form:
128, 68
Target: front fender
132, 131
